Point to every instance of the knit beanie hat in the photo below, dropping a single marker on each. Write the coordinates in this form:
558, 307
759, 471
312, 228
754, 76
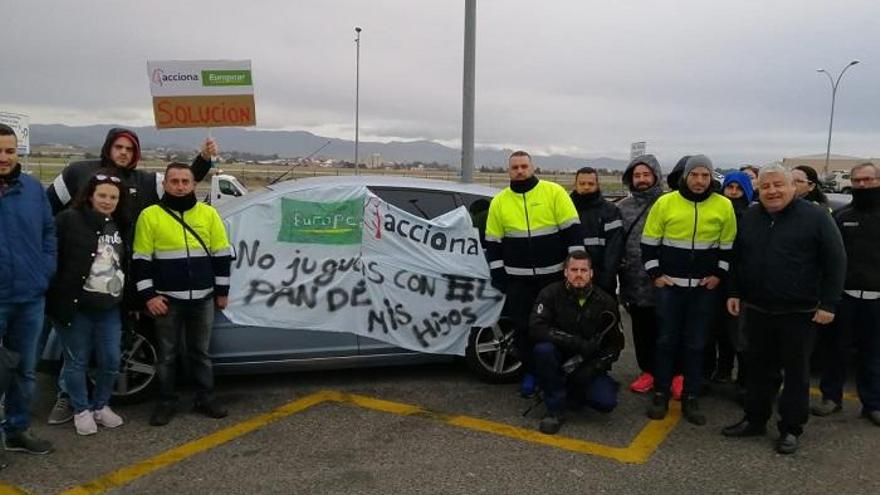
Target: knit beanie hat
696, 161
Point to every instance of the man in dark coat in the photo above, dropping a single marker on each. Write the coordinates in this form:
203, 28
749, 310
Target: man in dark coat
576, 330
788, 272
858, 318
602, 226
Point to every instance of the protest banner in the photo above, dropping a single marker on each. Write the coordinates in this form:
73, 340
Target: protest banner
338, 258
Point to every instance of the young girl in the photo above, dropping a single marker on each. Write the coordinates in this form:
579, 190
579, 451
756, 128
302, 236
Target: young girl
84, 296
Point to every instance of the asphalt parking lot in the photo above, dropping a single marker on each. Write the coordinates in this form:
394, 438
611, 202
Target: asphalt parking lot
434, 429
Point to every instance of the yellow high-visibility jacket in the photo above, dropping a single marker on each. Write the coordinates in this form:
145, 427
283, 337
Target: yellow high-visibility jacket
170, 261
530, 233
687, 240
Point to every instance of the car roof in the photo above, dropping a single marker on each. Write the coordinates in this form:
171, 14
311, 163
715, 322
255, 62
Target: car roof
292, 186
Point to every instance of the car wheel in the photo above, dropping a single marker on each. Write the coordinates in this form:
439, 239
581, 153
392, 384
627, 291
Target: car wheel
137, 369
490, 353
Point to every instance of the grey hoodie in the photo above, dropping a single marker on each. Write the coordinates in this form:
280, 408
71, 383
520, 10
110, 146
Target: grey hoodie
635, 284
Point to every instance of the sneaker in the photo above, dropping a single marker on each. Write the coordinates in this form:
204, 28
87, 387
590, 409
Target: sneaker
872, 416
23, 441
62, 411
659, 406
210, 409
162, 414
690, 408
826, 407
551, 423
787, 444
107, 418
85, 423
643, 384
529, 386
677, 386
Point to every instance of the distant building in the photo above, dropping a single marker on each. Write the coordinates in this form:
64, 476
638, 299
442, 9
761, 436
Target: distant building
835, 162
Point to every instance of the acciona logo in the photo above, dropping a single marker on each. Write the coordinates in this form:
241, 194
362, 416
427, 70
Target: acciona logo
160, 78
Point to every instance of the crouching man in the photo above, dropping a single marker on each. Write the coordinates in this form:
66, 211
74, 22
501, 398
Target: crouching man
576, 330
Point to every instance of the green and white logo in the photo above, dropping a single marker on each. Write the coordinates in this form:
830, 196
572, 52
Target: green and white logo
309, 222
226, 78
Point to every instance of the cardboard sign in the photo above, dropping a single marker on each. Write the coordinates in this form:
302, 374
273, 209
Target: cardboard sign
21, 125
202, 93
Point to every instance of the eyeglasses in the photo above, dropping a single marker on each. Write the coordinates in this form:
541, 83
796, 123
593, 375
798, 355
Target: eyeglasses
111, 178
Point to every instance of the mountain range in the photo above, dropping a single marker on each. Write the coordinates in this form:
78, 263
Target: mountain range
292, 144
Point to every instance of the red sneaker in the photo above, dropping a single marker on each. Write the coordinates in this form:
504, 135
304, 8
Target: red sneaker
677, 386
643, 384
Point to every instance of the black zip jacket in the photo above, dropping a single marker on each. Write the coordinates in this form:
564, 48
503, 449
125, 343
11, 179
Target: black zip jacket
793, 261
578, 329
144, 187
859, 224
602, 226
78, 230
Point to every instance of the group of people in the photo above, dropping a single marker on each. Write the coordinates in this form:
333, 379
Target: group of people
105, 243
750, 269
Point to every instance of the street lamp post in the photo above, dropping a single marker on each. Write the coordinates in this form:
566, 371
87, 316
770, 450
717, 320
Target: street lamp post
357, 94
834, 84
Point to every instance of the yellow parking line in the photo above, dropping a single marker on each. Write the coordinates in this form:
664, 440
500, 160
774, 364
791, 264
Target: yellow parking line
846, 395
11, 490
175, 455
637, 452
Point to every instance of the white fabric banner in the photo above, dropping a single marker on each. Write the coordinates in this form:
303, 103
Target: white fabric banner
341, 259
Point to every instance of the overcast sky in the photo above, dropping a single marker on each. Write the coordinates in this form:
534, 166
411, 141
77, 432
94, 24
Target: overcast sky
733, 79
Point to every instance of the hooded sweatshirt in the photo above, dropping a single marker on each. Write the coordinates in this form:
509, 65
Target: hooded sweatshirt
745, 183
636, 286
145, 187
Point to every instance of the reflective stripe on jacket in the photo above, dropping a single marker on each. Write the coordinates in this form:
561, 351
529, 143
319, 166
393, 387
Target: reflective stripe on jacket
169, 260
689, 240
531, 233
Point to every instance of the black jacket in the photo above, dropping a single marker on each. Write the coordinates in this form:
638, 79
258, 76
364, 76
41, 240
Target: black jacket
602, 226
144, 187
793, 261
558, 318
859, 224
78, 230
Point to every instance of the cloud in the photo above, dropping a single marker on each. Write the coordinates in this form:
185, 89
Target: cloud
733, 79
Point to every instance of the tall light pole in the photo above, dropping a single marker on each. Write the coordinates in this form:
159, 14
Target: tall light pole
834, 84
467, 114
357, 96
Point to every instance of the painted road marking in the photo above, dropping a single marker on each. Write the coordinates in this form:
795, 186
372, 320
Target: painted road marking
637, 452
11, 490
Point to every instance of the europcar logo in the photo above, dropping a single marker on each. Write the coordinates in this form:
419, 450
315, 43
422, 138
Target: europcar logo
159, 77
334, 222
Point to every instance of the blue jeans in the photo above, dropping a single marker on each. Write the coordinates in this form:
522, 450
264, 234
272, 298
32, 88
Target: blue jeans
598, 391
98, 330
857, 322
192, 321
20, 327
685, 317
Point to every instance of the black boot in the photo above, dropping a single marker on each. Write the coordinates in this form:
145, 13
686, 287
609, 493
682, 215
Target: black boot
659, 405
744, 428
690, 407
